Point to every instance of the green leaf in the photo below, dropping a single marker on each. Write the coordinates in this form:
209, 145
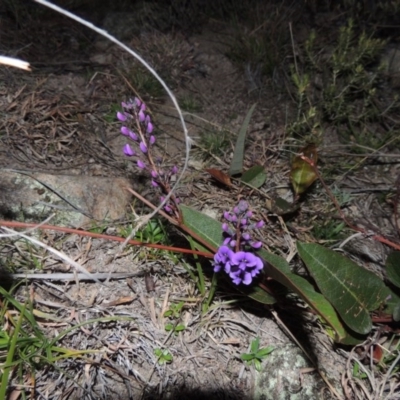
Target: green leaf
264, 352
169, 327
257, 364
255, 344
302, 174
277, 268
393, 268
180, 328
206, 227
247, 357
352, 290
255, 176
236, 166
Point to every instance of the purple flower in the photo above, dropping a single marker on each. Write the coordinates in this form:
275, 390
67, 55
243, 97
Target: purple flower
244, 267
152, 139
223, 259
141, 116
128, 151
236, 255
141, 164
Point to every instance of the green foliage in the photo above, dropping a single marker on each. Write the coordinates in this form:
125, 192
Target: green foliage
190, 104
342, 88
164, 356
174, 312
329, 230
145, 82
256, 354
111, 115
215, 141
345, 289
24, 348
236, 166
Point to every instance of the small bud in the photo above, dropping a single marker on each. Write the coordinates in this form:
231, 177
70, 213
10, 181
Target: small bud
125, 130
141, 116
133, 136
152, 139
154, 183
121, 117
174, 170
260, 224
154, 174
141, 164
149, 128
128, 150
143, 147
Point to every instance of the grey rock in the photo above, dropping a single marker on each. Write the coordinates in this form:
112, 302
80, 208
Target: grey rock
75, 200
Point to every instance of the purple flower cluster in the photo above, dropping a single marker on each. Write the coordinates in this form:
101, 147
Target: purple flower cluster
236, 255
138, 128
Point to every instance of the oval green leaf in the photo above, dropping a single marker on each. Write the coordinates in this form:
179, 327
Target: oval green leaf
353, 291
255, 176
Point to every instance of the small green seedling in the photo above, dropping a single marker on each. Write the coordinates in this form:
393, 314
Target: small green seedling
256, 354
174, 310
164, 356
176, 328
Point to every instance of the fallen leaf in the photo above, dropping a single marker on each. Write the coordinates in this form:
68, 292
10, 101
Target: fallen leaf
220, 176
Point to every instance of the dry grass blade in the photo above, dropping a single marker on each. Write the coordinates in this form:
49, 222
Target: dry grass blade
59, 254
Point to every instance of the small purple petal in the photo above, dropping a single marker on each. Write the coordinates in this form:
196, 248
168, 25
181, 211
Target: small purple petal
247, 278
154, 183
243, 221
227, 216
141, 116
143, 107
154, 174
125, 130
152, 139
256, 245
141, 164
128, 150
133, 136
149, 128
143, 147
121, 117
246, 237
174, 170
137, 102
249, 214
260, 224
